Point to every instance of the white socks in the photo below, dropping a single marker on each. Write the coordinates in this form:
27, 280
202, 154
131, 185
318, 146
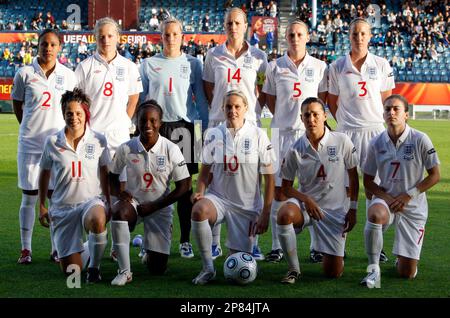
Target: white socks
373, 236
216, 234
203, 236
121, 238
85, 255
288, 241
97, 245
273, 223
26, 219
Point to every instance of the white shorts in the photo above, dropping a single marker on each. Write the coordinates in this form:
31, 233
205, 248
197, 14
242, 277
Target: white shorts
241, 224
361, 139
157, 229
281, 146
115, 138
28, 171
68, 226
409, 234
327, 233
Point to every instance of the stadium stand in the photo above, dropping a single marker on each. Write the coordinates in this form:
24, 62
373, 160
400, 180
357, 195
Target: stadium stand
413, 35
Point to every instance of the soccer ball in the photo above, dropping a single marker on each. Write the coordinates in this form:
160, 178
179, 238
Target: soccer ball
240, 268
137, 241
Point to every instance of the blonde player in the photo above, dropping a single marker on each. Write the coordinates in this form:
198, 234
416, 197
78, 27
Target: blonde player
399, 155
113, 83
174, 80
234, 65
77, 157
321, 159
151, 162
289, 81
36, 98
358, 84
237, 153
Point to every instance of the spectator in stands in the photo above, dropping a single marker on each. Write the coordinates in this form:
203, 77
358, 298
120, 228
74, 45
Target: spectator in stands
62, 59
82, 50
28, 57
205, 23
49, 20
314, 38
401, 63
321, 28
272, 9
322, 40
260, 9
64, 25
154, 23
409, 64
163, 14
337, 22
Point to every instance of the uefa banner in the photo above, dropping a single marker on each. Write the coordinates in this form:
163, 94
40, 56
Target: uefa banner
262, 25
125, 37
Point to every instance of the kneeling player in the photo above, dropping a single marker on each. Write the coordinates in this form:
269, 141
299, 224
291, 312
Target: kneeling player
151, 162
237, 153
77, 157
399, 155
320, 159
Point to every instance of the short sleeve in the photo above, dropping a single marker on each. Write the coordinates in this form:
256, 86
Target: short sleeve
266, 154
18, 89
135, 82
333, 85
208, 72
289, 165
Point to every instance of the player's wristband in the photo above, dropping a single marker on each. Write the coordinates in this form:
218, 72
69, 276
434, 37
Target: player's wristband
413, 192
354, 205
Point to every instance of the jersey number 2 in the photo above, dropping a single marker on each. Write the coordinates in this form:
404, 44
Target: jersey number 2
49, 96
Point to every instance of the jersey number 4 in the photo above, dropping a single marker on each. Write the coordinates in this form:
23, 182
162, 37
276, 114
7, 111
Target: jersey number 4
321, 173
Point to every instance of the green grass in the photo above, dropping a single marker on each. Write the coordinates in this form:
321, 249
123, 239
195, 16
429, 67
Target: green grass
43, 279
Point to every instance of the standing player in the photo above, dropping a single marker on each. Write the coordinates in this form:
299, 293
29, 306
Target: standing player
358, 84
78, 159
174, 80
237, 153
36, 98
399, 155
113, 83
151, 161
289, 81
321, 159
234, 65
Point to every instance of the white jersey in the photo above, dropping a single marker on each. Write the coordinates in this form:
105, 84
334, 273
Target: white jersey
76, 171
321, 173
174, 83
400, 167
109, 86
41, 97
237, 164
359, 103
149, 173
292, 85
227, 73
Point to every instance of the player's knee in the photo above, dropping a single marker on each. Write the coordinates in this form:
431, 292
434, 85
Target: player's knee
157, 263
376, 214
96, 221
199, 211
285, 215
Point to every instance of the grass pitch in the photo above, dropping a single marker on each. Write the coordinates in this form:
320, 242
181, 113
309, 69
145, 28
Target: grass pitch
44, 279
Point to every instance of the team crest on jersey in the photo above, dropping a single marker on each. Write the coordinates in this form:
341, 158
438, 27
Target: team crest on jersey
90, 151
332, 155
408, 153
248, 61
59, 82
372, 72
120, 73
309, 74
161, 163
184, 70
247, 146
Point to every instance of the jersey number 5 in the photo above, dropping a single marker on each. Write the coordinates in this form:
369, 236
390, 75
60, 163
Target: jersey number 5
297, 91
